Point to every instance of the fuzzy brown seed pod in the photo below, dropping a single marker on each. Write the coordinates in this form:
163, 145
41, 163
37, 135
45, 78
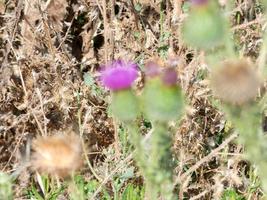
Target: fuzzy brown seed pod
236, 81
58, 155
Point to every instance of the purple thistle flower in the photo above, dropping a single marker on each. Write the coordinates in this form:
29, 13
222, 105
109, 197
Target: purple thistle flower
119, 75
199, 2
152, 69
169, 77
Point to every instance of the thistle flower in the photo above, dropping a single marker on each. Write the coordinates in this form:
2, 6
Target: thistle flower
152, 69
162, 96
236, 82
119, 75
199, 2
57, 155
169, 77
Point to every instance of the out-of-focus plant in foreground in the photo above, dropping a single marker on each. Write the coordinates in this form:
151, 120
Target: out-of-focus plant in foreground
160, 102
235, 81
6, 187
205, 26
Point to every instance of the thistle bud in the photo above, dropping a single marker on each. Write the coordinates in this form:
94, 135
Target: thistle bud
205, 27
162, 97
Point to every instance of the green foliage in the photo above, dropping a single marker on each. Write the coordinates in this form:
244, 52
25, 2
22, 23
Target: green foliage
132, 192
48, 189
163, 50
231, 194
120, 180
254, 183
90, 82
81, 189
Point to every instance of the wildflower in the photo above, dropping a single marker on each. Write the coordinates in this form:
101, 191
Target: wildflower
169, 77
236, 82
162, 96
57, 155
152, 69
119, 75
199, 2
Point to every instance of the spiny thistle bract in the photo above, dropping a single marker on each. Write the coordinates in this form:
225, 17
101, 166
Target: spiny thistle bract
162, 98
58, 155
236, 81
204, 28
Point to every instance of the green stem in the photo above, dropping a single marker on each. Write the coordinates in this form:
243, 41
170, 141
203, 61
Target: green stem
157, 168
151, 190
248, 122
160, 160
255, 150
136, 139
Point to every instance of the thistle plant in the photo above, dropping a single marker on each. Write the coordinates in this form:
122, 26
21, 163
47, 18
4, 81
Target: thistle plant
118, 76
160, 102
236, 83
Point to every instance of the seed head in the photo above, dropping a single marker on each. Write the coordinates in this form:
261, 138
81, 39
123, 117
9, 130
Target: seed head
119, 75
236, 82
57, 155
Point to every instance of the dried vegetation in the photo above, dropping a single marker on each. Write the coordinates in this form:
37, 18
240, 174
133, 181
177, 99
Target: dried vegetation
46, 47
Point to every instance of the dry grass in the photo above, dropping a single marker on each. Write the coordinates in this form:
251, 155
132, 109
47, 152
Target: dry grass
47, 46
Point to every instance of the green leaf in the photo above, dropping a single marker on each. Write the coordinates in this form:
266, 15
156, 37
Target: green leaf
132, 192
129, 173
231, 194
34, 194
88, 79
